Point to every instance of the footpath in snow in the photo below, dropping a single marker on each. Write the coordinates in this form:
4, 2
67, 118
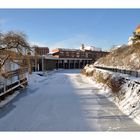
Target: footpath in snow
63, 101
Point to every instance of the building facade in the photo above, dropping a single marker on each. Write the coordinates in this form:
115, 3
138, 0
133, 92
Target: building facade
41, 50
42, 60
75, 58
77, 53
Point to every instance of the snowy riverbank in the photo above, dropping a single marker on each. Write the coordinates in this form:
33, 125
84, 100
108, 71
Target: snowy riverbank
128, 96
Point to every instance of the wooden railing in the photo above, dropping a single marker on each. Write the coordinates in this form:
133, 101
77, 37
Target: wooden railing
8, 89
13, 73
12, 87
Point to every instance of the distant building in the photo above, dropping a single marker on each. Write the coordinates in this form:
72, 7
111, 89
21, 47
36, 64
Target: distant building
89, 48
39, 50
137, 31
83, 52
76, 58
64, 58
42, 50
68, 53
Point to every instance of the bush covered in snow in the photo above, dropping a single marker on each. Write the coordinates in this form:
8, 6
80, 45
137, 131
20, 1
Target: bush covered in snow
114, 83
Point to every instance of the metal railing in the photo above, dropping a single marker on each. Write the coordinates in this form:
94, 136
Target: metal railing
124, 71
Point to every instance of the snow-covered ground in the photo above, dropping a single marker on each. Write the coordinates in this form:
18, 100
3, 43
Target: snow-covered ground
127, 99
63, 101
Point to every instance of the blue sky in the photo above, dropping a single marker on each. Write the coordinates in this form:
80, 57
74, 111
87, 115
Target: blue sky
69, 28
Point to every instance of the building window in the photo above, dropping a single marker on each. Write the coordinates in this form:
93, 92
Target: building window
67, 53
78, 55
86, 55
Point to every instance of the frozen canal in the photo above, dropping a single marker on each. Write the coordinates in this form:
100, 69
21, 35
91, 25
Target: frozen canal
63, 101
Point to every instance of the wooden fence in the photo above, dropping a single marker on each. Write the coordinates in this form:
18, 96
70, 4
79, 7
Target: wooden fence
21, 82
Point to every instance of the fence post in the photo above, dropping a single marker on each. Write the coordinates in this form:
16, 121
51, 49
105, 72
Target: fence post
5, 85
136, 74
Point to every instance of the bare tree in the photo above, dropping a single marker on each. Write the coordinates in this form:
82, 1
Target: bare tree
36, 55
12, 41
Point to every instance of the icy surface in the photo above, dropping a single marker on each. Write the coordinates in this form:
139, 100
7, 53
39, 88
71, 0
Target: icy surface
63, 101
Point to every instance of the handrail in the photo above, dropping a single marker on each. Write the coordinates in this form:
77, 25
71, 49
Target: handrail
14, 86
124, 71
16, 72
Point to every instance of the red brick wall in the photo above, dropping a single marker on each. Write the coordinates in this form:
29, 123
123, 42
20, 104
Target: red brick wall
42, 50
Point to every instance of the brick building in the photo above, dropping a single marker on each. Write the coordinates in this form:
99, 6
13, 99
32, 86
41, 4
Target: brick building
36, 56
63, 58
41, 50
77, 53
68, 53
76, 58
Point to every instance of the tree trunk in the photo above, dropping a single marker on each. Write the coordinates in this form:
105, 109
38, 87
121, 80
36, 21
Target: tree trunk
29, 65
